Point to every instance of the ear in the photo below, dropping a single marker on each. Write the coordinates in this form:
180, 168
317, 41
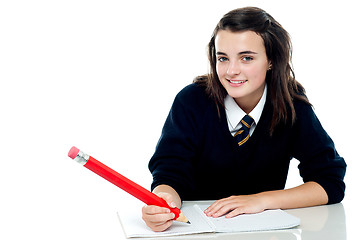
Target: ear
269, 66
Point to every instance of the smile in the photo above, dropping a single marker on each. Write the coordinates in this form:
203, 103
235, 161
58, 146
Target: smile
237, 81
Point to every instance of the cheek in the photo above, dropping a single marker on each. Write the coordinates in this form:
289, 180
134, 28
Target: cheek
220, 69
257, 73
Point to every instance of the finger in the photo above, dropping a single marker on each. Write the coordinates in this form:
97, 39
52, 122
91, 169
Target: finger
168, 198
153, 217
235, 212
221, 202
225, 209
216, 206
212, 209
159, 219
160, 228
151, 210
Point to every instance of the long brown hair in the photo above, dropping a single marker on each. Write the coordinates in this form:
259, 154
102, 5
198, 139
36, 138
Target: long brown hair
281, 82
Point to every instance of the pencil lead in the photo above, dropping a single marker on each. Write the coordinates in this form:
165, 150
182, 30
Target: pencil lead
189, 222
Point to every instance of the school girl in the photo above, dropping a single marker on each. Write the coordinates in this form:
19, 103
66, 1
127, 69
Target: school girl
231, 134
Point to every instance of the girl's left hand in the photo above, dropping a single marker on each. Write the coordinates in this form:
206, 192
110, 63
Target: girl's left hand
236, 205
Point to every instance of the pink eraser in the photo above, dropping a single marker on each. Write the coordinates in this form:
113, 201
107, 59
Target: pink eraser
73, 152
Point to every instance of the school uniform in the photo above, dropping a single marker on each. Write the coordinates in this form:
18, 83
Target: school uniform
198, 156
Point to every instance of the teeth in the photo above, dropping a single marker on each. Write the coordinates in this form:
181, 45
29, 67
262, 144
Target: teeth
237, 82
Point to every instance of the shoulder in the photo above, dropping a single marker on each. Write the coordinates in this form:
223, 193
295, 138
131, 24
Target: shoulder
307, 122
304, 110
193, 90
192, 104
193, 95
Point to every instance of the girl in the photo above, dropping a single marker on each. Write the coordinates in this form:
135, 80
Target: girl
232, 133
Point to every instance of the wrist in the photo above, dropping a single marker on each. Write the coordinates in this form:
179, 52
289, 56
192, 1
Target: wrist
269, 200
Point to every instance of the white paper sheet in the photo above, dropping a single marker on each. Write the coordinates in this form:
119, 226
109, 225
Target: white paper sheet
134, 226
264, 221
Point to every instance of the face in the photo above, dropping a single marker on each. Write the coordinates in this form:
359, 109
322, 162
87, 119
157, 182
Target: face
241, 66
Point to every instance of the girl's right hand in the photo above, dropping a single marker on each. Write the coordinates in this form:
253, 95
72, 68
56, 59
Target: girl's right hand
159, 218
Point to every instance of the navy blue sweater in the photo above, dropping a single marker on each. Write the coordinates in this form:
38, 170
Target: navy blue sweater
197, 155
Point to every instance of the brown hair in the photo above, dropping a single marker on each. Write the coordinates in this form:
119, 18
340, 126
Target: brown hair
281, 82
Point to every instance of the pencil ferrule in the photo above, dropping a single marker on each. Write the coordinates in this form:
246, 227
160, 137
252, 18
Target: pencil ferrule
81, 158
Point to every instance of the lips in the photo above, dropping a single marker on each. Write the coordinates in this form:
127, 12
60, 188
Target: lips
237, 81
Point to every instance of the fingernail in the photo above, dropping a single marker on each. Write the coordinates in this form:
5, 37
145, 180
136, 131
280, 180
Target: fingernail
172, 204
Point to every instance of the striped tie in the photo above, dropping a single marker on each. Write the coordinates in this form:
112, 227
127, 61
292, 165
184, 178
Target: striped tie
243, 134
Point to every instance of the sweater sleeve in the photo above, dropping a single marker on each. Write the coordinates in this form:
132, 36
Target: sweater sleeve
319, 160
171, 163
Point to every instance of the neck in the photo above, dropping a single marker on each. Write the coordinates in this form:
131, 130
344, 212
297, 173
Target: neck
250, 102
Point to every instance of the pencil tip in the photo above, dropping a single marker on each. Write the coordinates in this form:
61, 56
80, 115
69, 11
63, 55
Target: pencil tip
189, 222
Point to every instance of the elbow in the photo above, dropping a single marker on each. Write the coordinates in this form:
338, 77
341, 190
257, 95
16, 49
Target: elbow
335, 193
334, 189
336, 198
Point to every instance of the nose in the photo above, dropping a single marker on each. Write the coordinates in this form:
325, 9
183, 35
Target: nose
234, 68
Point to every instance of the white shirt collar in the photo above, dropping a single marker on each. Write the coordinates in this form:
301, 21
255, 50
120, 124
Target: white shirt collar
235, 113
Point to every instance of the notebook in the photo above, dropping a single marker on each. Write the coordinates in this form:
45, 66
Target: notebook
134, 226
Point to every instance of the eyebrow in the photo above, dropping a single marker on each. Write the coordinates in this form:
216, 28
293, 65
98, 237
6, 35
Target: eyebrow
240, 53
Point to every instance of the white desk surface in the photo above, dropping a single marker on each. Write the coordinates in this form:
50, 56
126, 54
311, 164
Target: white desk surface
318, 223
91, 213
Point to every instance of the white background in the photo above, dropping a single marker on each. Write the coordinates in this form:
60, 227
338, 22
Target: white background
102, 75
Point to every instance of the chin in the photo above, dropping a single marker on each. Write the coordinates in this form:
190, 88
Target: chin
236, 94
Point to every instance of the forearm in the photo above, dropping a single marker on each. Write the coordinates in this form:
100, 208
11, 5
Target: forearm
170, 190
306, 195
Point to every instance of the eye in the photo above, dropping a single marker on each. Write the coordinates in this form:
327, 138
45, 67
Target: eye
247, 58
222, 59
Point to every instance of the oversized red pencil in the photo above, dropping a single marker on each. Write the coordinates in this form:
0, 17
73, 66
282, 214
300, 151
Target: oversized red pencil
124, 183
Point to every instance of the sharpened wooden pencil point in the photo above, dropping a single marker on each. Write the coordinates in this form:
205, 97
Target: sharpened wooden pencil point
182, 218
